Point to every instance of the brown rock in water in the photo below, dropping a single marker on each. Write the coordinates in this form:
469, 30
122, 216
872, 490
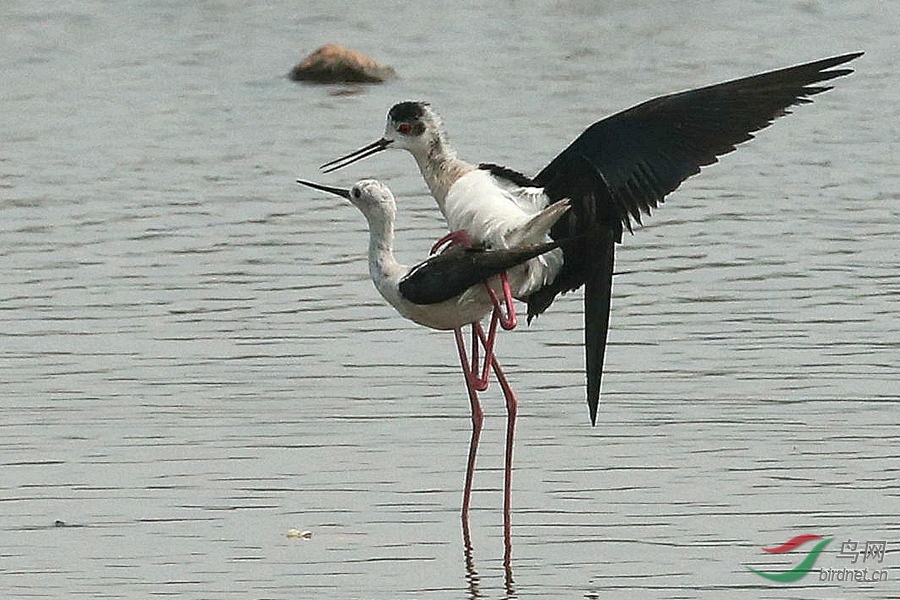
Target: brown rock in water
333, 63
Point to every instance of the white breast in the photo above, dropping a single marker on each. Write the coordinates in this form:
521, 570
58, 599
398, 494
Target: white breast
477, 204
489, 211
471, 306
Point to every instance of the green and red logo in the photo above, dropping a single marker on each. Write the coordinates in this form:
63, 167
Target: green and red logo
805, 565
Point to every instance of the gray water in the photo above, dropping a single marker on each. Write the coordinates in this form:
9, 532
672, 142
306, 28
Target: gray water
193, 361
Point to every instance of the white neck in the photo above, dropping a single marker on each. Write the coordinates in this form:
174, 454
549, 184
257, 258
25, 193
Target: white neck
384, 269
440, 168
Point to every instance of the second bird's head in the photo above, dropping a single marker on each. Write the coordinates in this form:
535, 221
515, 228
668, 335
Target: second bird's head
373, 198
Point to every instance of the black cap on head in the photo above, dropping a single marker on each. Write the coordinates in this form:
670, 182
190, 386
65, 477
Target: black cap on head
407, 111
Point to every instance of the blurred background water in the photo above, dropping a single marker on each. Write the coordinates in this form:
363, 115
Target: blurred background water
193, 361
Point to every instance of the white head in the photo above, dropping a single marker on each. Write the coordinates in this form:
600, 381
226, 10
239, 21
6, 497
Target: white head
411, 126
373, 198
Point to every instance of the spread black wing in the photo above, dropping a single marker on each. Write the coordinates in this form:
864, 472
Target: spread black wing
446, 275
625, 165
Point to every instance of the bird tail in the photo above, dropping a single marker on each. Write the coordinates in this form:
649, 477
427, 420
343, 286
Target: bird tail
537, 228
597, 297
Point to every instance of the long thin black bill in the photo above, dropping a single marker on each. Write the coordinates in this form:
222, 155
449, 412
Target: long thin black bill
326, 188
340, 163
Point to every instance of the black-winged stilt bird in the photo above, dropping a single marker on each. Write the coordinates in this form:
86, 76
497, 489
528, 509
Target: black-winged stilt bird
617, 169
454, 289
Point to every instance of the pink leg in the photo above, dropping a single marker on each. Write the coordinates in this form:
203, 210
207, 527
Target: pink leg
479, 339
511, 410
477, 420
461, 238
480, 382
508, 320
476, 377
512, 406
454, 238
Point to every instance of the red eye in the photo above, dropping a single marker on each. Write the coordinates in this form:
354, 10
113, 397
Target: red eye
404, 128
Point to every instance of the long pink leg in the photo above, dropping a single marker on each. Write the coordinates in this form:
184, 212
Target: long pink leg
477, 421
512, 407
476, 377
475, 384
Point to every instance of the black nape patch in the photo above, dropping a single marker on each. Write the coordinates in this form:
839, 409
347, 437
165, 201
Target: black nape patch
406, 112
508, 174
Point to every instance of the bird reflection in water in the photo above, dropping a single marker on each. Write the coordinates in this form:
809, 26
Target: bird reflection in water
472, 577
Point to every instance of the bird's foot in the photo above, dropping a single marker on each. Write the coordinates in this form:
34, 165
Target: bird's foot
460, 237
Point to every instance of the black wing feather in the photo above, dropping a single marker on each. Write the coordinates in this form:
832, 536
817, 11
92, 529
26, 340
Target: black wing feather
597, 299
645, 152
623, 166
508, 174
452, 272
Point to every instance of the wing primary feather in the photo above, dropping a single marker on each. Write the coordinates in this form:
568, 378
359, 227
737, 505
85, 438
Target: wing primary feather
623, 166
597, 300
673, 136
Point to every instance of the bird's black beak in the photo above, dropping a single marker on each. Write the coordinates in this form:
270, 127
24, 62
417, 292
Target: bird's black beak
340, 163
326, 188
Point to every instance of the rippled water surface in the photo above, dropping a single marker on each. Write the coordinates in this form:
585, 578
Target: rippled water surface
193, 361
